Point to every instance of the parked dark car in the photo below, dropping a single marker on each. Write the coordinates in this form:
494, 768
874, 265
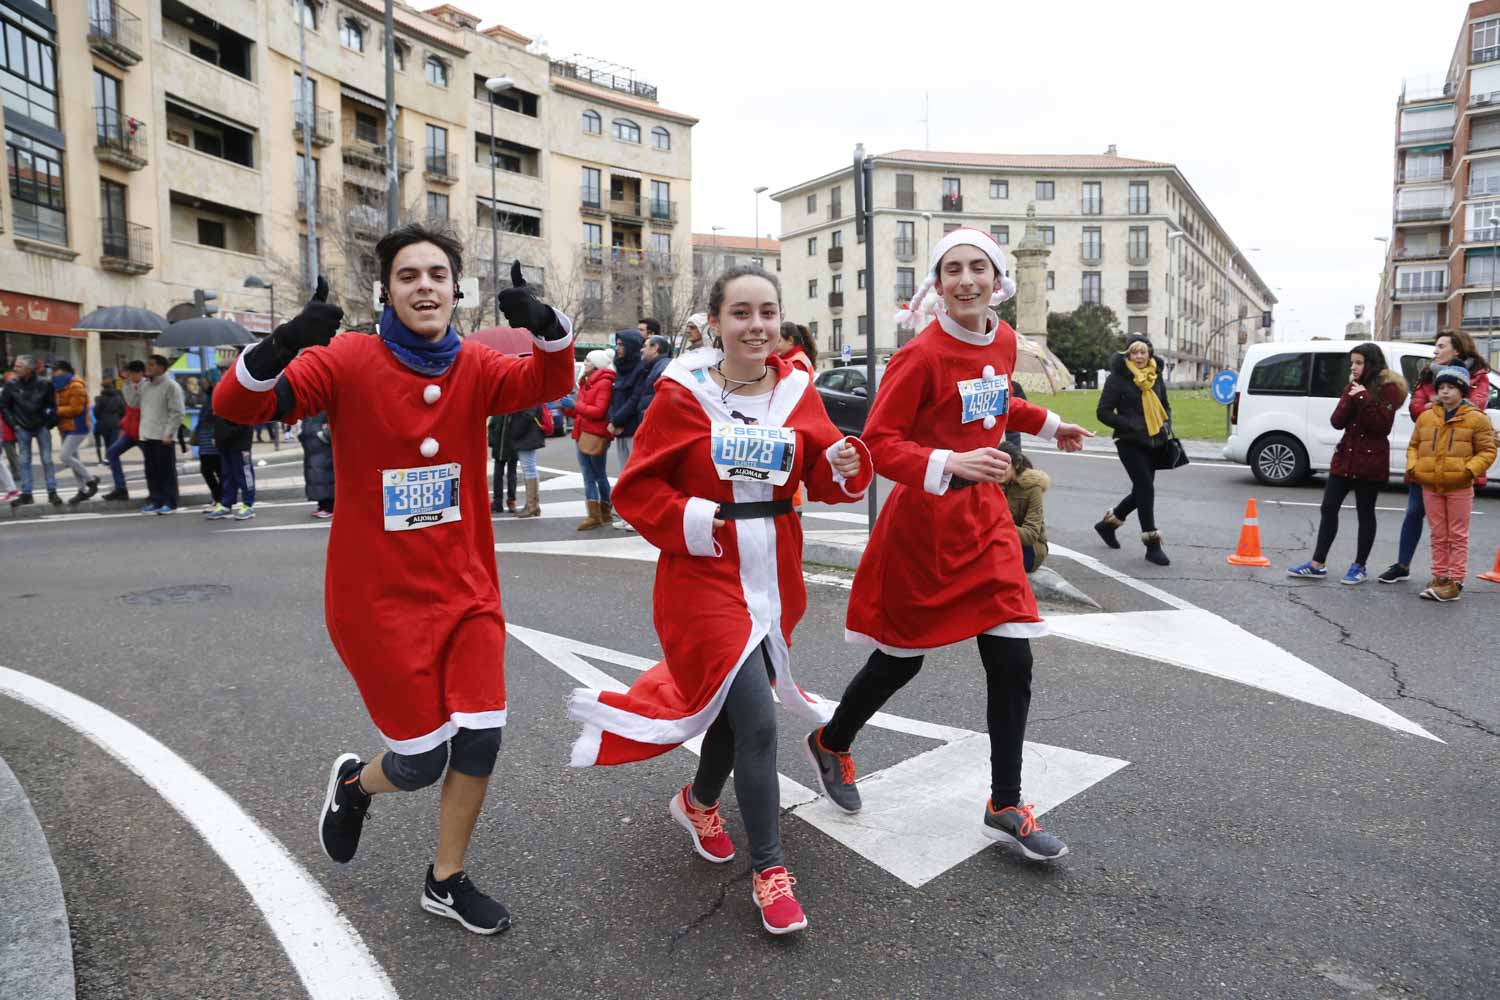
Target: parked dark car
846, 396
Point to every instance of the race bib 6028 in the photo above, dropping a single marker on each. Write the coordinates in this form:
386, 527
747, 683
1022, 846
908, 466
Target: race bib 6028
754, 454
421, 497
984, 397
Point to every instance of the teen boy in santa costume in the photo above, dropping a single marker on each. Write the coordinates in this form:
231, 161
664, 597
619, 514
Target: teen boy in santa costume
944, 563
710, 484
411, 596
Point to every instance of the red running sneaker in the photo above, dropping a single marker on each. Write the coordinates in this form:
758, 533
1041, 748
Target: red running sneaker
705, 826
780, 913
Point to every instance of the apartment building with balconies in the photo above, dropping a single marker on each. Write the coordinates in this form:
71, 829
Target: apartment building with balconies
157, 147
1126, 233
1440, 268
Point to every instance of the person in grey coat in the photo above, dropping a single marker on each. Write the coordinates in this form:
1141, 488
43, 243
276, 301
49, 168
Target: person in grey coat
317, 463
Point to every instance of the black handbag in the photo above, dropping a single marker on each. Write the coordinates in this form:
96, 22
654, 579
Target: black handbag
1170, 455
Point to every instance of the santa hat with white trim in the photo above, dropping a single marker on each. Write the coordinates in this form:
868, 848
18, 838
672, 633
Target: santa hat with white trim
924, 305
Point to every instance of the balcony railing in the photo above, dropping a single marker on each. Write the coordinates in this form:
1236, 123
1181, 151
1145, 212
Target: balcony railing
1091, 206
590, 201
1422, 213
835, 300
625, 206
904, 293
1487, 54
119, 138
628, 257
1488, 234
953, 203
661, 260
835, 256
1424, 293
906, 249
599, 77
1137, 255
114, 33
1421, 252
1479, 323
1482, 141
363, 148
1485, 100
593, 255
1091, 253
319, 120
663, 211
1476, 278
439, 165
321, 200
1422, 175
1090, 296
124, 247
1443, 134
364, 218
1138, 298
906, 200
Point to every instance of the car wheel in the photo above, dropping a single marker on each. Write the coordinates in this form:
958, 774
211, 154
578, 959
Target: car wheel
1279, 460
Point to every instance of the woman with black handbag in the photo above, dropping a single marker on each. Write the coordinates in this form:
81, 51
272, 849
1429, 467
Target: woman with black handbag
1134, 402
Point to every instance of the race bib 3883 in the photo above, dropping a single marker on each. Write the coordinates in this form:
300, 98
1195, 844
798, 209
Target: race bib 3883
420, 497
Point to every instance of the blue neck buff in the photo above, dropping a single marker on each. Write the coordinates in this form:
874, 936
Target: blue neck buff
425, 357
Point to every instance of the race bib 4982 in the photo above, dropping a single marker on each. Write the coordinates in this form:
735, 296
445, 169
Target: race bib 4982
420, 497
984, 397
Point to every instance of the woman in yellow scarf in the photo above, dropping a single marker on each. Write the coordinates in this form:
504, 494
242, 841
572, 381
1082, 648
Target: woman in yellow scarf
1134, 403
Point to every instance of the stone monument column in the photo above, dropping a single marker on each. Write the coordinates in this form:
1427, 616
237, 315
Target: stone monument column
1031, 282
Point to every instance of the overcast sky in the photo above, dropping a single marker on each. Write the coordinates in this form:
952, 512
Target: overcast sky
1279, 114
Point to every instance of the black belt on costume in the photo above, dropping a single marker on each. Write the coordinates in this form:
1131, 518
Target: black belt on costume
960, 483
749, 511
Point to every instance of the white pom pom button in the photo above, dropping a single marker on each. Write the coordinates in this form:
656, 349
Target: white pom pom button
432, 394
429, 446
989, 423
989, 371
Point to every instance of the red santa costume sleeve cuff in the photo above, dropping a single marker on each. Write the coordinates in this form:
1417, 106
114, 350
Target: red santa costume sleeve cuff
698, 528
561, 343
866, 465
936, 481
1049, 429
250, 382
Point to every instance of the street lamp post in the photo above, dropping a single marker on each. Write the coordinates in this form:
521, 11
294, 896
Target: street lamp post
495, 85
758, 192
256, 281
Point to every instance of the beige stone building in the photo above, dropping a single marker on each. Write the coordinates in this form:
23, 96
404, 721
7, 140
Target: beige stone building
715, 252
155, 148
1130, 234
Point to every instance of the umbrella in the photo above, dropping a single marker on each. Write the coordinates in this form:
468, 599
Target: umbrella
205, 331
505, 339
123, 319
1038, 369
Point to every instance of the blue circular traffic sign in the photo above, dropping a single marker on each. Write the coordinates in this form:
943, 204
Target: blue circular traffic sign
1223, 387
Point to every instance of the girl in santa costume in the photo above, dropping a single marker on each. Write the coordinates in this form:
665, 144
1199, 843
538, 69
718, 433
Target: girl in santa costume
944, 563
412, 597
710, 483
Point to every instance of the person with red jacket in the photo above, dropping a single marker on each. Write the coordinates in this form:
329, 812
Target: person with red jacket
130, 430
1362, 461
11, 467
1456, 348
590, 413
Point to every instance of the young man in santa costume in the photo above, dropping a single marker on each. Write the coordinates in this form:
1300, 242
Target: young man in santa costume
944, 563
412, 597
710, 484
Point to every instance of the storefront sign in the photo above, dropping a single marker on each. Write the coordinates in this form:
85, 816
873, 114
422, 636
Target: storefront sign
31, 314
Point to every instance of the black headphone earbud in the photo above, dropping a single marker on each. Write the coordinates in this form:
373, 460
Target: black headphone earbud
458, 294
384, 298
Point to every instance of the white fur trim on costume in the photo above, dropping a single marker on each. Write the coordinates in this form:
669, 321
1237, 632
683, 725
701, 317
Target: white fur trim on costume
443, 733
957, 331
242, 374
833, 450
1006, 630
698, 528
1049, 428
561, 343
936, 481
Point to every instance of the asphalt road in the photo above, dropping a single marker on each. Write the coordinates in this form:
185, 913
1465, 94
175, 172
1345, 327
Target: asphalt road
1255, 845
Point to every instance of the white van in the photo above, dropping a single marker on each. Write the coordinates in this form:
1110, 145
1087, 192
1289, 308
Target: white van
1285, 395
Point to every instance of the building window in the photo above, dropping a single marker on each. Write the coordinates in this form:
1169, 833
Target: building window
1000, 234
28, 71
1139, 280
812, 328
835, 204
1136, 324
1046, 190
437, 206
812, 246
1138, 246
729, 261
838, 284
999, 190
626, 130
1093, 198
948, 227
437, 149
812, 288
592, 187
436, 71
1140, 198
592, 123
1092, 282
1486, 41
661, 138
862, 325
661, 200
906, 283
351, 35
1049, 234
836, 238
115, 230
1093, 242
399, 51
812, 203
838, 335
211, 233
309, 14
36, 188
906, 195
1051, 280
953, 198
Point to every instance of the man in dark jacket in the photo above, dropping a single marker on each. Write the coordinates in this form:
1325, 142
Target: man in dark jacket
109, 412
29, 402
236, 470
317, 462
657, 354
624, 405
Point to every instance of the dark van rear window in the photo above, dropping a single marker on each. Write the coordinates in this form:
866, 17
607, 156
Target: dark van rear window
1281, 375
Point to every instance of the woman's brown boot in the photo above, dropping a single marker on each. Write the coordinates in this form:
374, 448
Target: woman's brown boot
593, 520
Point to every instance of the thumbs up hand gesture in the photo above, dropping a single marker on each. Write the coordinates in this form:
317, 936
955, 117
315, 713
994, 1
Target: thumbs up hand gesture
314, 326
525, 311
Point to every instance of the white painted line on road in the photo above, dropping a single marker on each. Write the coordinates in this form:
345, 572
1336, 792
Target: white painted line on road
182, 512
1171, 600
1198, 463
329, 955
921, 816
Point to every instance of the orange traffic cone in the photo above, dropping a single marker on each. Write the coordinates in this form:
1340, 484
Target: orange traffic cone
1248, 553
1493, 575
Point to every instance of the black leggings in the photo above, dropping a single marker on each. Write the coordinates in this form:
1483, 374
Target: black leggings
1365, 494
208, 465
1007, 671
1142, 496
474, 752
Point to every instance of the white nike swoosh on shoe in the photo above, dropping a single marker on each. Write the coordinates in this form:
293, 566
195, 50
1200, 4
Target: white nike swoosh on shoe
446, 900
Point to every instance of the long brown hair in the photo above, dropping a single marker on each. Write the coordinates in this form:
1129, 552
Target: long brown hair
1463, 346
798, 335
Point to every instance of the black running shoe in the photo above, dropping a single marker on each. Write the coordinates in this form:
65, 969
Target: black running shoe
344, 809
459, 899
835, 772
1395, 574
1016, 828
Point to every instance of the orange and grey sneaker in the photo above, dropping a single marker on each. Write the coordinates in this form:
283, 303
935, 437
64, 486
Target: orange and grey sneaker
705, 825
1016, 828
780, 913
835, 770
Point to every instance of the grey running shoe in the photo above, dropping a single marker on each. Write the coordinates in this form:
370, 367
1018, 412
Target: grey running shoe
835, 772
1016, 828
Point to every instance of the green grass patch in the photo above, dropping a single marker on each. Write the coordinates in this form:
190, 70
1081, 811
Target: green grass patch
1194, 412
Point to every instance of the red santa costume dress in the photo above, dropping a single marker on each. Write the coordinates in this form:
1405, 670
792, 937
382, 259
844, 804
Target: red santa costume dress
703, 453
944, 563
411, 593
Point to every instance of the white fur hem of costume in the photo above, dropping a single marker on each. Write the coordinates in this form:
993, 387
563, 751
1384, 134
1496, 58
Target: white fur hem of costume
445, 732
250, 381
698, 528
833, 450
1049, 429
561, 343
936, 481
1008, 630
